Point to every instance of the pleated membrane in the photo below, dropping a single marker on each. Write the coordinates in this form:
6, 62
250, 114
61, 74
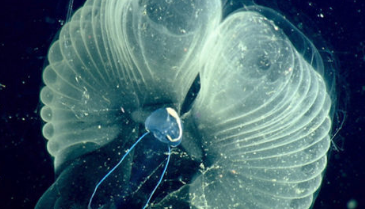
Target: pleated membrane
255, 136
263, 112
107, 64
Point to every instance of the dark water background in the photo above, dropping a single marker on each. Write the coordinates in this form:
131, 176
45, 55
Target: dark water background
29, 26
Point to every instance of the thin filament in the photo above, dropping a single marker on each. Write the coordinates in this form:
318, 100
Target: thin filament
111, 171
164, 171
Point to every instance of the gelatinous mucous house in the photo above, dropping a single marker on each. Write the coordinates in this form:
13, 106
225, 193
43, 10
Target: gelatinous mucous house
255, 136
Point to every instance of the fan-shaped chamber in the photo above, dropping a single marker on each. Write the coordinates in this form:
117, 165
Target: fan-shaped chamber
256, 135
